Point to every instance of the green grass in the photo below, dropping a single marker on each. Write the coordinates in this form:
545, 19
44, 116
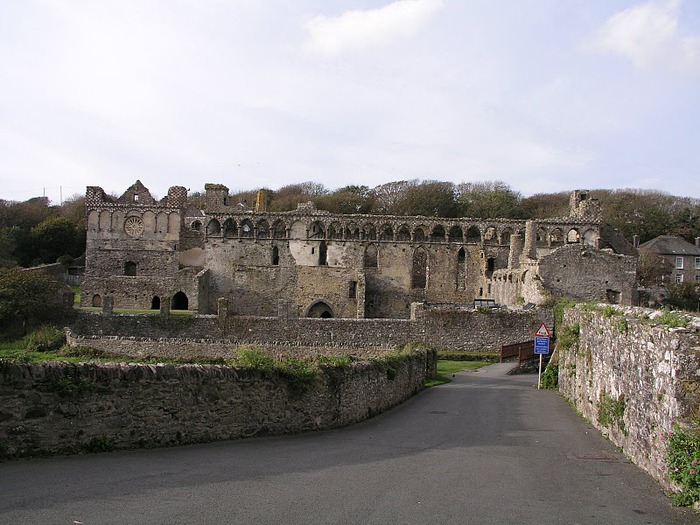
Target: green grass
445, 368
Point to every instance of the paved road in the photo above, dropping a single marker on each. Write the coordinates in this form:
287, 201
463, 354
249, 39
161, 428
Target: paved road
486, 448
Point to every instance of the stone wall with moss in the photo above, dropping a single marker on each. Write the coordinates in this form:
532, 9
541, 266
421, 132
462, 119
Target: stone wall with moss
632, 376
58, 408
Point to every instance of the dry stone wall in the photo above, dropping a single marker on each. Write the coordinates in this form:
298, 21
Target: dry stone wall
60, 408
631, 378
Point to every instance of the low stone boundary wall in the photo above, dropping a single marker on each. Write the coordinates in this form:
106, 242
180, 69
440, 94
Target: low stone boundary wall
631, 378
177, 335
58, 408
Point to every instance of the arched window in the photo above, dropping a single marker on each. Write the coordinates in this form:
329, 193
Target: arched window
322, 254
369, 232
155, 303
196, 226
246, 228
130, 268
419, 234
263, 229
490, 266
275, 256
573, 236
279, 230
403, 234
180, 301
419, 272
505, 236
371, 256
214, 227
456, 234
387, 233
230, 229
556, 237
320, 310
438, 234
473, 235
461, 268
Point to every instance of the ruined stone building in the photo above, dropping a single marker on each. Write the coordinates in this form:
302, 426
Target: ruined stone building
145, 253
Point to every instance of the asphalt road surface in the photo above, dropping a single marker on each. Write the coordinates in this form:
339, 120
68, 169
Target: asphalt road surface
486, 448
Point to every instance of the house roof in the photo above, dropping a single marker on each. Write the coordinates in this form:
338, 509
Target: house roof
670, 245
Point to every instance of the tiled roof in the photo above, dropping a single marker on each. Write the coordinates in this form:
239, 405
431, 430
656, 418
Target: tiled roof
670, 245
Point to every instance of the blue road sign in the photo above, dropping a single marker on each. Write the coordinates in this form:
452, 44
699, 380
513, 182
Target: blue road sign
541, 345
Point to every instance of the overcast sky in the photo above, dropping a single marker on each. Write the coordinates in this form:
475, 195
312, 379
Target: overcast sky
545, 95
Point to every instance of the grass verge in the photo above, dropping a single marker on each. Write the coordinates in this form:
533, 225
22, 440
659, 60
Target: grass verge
446, 367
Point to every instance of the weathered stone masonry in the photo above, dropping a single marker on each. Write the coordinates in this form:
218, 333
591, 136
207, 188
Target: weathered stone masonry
311, 263
445, 328
63, 408
626, 365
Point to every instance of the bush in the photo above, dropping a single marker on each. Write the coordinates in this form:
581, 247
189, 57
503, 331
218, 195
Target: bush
683, 461
254, 359
45, 339
550, 376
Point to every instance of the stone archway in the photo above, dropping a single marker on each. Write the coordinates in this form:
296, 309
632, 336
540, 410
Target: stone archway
320, 310
180, 301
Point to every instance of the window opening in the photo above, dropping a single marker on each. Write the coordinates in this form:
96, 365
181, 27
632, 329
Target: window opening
419, 273
130, 268
352, 290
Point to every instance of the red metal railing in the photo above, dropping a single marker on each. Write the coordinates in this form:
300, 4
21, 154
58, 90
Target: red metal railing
523, 351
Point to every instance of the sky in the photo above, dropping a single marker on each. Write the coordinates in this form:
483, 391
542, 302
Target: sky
544, 95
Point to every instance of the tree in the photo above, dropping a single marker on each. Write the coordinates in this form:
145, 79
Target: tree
685, 296
386, 195
652, 268
545, 205
350, 199
55, 237
430, 198
489, 200
28, 299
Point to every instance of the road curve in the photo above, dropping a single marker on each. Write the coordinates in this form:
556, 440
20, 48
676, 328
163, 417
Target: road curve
486, 448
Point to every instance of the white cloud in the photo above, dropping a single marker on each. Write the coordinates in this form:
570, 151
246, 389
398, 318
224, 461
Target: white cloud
648, 35
359, 30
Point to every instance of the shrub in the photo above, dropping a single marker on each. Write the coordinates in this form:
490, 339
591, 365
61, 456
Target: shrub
558, 310
612, 411
550, 376
45, 339
255, 359
672, 319
568, 336
683, 461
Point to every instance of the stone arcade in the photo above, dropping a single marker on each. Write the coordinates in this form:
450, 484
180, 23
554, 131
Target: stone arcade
149, 254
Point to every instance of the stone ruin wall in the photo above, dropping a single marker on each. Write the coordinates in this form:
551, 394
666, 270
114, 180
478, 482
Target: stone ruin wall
444, 328
59, 408
356, 265
653, 369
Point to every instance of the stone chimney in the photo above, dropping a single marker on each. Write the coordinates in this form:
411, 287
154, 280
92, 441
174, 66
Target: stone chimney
635, 241
697, 242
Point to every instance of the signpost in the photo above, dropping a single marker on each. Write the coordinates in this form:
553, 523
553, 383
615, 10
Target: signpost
542, 336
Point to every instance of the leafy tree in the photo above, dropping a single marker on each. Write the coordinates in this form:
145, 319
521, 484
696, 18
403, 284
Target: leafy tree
489, 200
288, 197
55, 237
685, 296
28, 299
546, 205
350, 199
430, 198
387, 195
